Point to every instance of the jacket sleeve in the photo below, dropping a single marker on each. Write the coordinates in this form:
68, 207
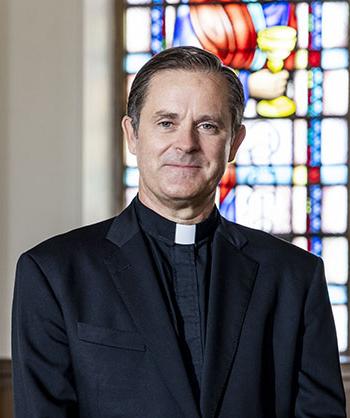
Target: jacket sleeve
320, 387
43, 383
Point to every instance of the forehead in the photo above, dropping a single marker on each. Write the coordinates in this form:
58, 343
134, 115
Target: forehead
179, 89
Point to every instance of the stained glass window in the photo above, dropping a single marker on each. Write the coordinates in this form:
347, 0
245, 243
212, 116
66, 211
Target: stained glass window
290, 176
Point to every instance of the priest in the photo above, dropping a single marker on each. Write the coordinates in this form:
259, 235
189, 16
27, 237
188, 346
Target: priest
168, 310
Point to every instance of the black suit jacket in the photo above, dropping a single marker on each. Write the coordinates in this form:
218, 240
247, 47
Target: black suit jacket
92, 337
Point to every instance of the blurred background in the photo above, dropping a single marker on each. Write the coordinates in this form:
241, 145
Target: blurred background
65, 71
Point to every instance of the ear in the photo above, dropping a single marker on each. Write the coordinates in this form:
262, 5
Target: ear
129, 133
237, 139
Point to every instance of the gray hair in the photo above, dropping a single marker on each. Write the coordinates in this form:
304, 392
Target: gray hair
188, 58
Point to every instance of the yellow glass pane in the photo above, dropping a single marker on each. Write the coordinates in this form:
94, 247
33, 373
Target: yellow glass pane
300, 175
301, 59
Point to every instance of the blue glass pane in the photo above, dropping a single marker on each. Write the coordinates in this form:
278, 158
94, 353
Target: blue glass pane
314, 139
337, 294
134, 62
334, 174
315, 215
315, 83
316, 246
183, 30
228, 206
157, 26
316, 26
335, 58
131, 177
264, 175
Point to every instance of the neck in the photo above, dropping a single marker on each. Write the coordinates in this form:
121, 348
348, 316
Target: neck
179, 212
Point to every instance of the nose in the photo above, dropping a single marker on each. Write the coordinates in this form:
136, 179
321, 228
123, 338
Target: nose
187, 140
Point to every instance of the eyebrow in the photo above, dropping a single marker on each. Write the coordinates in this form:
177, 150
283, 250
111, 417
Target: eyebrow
165, 114
202, 118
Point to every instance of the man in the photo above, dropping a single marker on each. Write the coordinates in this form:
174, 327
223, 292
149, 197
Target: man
168, 310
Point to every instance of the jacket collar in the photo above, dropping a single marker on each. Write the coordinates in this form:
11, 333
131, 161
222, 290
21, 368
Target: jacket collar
126, 225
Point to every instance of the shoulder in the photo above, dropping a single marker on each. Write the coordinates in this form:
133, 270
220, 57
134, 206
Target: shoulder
279, 262
72, 243
266, 247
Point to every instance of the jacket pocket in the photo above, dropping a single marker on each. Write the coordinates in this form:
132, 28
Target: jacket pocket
109, 337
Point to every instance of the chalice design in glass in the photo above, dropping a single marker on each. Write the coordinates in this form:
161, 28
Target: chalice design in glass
278, 42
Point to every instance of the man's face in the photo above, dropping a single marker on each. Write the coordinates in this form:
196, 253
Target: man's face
184, 140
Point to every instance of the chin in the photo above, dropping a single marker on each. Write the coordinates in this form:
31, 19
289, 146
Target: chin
179, 193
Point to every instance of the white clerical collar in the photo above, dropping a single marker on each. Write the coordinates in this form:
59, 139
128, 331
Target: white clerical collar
169, 231
185, 234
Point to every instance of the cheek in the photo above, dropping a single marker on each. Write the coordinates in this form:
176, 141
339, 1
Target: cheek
218, 157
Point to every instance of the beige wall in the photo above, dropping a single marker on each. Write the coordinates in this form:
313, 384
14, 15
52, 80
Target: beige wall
45, 103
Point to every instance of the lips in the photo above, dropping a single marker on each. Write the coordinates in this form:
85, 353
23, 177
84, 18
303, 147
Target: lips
183, 165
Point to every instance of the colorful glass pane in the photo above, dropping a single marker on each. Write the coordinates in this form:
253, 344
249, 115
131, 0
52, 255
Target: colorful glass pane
290, 176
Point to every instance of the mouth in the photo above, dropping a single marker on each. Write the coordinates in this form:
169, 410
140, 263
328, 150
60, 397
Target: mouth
188, 166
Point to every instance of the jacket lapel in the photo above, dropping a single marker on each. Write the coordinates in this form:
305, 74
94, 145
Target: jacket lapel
232, 281
130, 266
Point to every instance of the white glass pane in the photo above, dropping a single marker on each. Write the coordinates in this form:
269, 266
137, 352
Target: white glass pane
170, 16
335, 17
334, 209
334, 148
300, 242
335, 94
134, 62
129, 80
300, 141
267, 142
299, 209
338, 294
335, 256
301, 91
250, 109
340, 313
129, 159
335, 58
302, 12
130, 193
334, 174
138, 29
139, 1
264, 207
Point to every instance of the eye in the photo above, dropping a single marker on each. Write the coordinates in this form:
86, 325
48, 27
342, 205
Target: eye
165, 124
209, 127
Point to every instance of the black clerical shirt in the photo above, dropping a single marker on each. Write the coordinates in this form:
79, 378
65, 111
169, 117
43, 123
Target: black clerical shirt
184, 274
